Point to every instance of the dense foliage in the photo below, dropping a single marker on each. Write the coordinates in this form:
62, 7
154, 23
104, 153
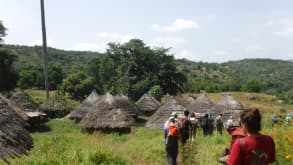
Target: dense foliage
133, 68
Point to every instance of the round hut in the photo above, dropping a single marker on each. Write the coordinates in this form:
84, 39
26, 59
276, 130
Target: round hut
110, 114
14, 138
86, 105
158, 119
24, 101
202, 104
228, 106
148, 104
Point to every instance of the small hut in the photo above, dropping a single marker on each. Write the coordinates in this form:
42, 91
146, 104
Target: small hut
24, 101
202, 104
14, 138
148, 104
228, 106
86, 105
158, 119
110, 113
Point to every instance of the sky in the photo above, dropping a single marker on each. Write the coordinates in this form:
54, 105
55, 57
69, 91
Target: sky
206, 30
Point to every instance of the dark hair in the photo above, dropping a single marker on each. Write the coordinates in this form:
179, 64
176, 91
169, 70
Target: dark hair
186, 113
252, 120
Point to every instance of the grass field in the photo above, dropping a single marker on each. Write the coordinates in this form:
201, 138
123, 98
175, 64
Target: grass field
63, 142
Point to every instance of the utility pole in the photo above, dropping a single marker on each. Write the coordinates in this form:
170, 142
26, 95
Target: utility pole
45, 49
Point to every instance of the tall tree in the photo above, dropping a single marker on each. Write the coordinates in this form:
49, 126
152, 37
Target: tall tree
2, 32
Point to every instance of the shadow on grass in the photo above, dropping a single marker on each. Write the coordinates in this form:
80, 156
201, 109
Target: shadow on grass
41, 128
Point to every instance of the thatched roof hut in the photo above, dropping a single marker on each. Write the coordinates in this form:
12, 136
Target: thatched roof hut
228, 106
14, 107
202, 104
24, 101
14, 138
111, 113
78, 113
148, 104
185, 100
158, 119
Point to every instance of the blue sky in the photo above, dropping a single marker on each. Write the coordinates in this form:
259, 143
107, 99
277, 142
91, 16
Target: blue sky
206, 30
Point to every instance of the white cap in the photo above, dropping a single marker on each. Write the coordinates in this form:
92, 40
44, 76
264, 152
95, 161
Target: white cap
174, 113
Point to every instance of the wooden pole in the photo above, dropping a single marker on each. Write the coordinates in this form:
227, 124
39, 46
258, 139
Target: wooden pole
45, 49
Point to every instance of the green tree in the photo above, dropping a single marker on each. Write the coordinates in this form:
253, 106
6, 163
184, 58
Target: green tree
157, 92
30, 78
78, 85
252, 85
2, 32
8, 76
55, 76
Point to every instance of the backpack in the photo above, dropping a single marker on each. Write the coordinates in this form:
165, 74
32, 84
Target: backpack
205, 123
218, 121
185, 125
173, 130
259, 157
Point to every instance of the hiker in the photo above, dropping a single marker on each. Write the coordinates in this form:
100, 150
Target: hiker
185, 127
205, 125
288, 118
172, 141
274, 120
236, 132
194, 126
255, 148
219, 124
229, 123
211, 124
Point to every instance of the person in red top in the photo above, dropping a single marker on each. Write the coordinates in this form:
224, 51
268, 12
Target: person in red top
255, 148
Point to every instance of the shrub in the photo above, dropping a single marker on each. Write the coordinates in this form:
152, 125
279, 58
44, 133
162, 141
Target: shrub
105, 157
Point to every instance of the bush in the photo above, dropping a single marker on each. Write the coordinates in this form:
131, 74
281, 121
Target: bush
105, 157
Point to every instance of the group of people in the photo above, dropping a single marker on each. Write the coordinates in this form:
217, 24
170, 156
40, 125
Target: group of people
249, 147
278, 119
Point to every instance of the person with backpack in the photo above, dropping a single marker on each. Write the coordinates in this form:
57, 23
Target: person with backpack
172, 141
255, 148
205, 125
194, 125
185, 127
211, 123
219, 124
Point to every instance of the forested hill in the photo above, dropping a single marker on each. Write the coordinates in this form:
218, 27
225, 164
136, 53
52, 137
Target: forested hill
259, 75
254, 75
31, 57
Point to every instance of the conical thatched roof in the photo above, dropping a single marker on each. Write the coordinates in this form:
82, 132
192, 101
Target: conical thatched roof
226, 103
185, 100
86, 105
158, 119
105, 113
24, 101
202, 104
228, 106
148, 104
14, 138
17, 109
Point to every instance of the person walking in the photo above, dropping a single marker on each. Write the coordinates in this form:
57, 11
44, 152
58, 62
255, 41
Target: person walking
185, 127
172, 141
255, 148
219, 124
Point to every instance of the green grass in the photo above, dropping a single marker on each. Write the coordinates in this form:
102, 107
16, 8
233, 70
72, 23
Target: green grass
65, 143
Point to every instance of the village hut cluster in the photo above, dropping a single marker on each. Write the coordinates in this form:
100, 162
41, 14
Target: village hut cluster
110, 113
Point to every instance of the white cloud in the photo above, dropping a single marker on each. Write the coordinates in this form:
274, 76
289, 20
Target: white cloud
255, 49
114, 37
167, 41
185, 54
220, 52
50, 43
286, 28
177, 25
